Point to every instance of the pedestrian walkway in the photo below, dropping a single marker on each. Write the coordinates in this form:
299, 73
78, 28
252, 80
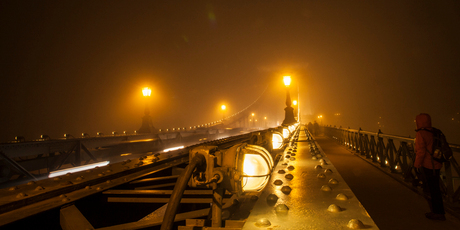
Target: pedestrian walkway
390, 204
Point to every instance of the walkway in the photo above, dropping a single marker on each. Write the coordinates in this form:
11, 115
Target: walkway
390, 204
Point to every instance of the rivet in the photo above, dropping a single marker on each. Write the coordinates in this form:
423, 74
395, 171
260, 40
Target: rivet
100, 174
89, 170
294, 150
291, 168
21, 195
38, 188
272, 199
13, 188
98, 188
341, 196
328, 171
79, 178
263, 222
286, 190
108, 181
287, 156
88, 187
322, 161
334, 208
355, 224
109, 170
281, 209
292, 159
289, 176
321, 175
318, 167
31, 182
284, 163
62, 196
278, 182
293, 154
333, 181
314, 158
68, 174
65, 199
281, 171
126, 167
319, 155
326, 188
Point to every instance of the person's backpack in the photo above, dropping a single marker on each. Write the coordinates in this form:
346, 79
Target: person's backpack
441, 151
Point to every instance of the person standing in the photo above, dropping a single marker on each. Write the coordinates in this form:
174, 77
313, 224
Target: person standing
427, 166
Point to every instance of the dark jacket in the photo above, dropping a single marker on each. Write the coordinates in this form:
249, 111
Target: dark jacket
424, 143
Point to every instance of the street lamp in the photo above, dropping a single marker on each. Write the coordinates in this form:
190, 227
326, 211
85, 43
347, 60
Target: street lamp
146, 119
223, 107
253, 120
289, 111
320, 119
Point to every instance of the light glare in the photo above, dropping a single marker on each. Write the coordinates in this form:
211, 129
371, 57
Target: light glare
77, 169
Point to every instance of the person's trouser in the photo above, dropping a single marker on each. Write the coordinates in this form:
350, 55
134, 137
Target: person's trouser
432, 183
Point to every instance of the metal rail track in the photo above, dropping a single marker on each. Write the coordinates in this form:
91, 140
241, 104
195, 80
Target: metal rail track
142, 177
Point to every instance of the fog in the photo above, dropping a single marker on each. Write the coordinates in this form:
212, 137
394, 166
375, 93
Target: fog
79, 66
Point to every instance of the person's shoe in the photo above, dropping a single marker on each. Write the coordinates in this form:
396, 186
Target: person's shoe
434, 216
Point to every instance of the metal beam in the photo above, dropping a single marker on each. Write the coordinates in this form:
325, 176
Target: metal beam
156, 221
72, 219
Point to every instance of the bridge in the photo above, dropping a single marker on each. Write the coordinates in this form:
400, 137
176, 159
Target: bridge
225, 174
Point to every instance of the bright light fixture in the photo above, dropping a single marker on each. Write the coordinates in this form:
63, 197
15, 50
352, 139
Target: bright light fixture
146, 91
286, 133
77, 169
287, 80
277, 140
250, 167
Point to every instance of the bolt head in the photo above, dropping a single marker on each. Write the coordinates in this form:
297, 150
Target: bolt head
263, 222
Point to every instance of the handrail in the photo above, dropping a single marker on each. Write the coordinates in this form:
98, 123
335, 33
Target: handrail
396, 154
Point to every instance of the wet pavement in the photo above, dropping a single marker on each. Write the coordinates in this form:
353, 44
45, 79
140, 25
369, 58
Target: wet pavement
390, 204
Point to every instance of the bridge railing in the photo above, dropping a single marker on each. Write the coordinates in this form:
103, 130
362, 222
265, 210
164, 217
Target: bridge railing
396, 154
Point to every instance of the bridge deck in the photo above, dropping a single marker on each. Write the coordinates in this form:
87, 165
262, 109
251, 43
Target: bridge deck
390, 204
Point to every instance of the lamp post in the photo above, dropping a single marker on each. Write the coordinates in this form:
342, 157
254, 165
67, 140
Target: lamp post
253, 120
146, 119
223, 107
288, 111
265, 119
320, 119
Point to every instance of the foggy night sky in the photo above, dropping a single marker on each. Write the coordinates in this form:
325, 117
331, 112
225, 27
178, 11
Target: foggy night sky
79, 66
